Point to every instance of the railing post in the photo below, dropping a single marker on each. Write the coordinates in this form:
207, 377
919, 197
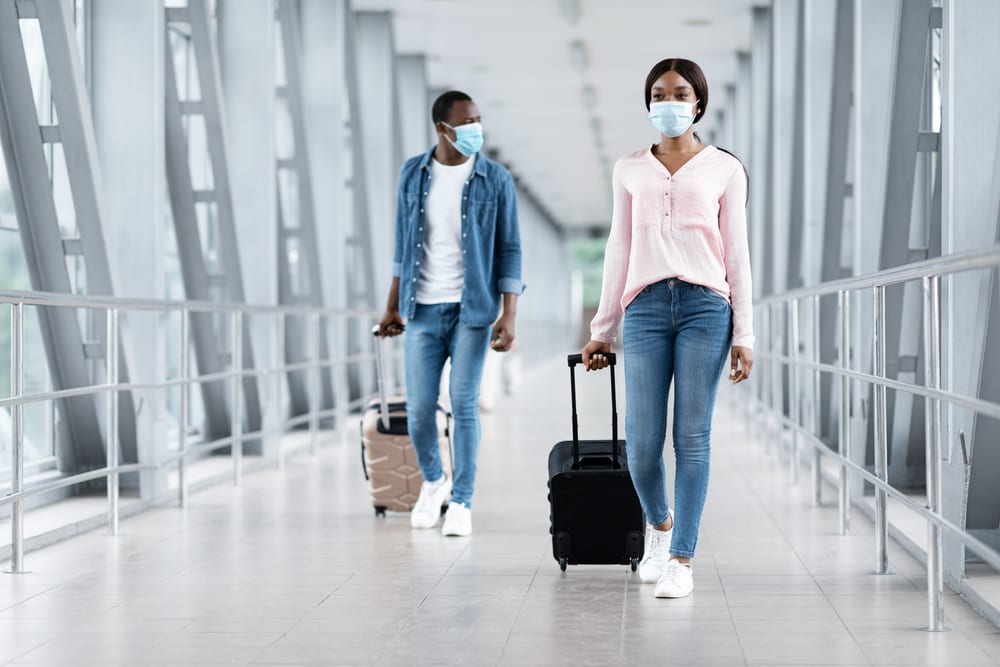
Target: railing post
844, 431
17, 438
769, 376
236, 421
315, 384
817, 480
111, 436
793, 386
881, 436
341, 392
280, 376
185, 373
932, 374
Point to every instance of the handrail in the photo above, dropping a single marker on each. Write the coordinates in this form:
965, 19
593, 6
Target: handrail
35, 298
959, 262
338, 363
773, 358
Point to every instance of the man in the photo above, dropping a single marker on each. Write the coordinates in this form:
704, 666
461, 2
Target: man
457, 256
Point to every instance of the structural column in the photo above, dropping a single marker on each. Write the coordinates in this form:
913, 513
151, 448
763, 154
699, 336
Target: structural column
126, 50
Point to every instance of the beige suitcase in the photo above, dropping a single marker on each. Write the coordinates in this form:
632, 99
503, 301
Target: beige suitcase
390, 462
387, 454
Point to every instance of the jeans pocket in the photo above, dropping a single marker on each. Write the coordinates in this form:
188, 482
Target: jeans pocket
712, 295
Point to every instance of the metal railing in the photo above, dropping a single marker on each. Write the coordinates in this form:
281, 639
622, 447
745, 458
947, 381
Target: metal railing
338, 363
766, 397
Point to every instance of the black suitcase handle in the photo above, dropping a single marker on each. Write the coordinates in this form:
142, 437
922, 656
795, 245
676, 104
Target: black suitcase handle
573, 360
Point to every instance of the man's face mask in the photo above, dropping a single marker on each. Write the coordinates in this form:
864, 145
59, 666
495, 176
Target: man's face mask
468, 138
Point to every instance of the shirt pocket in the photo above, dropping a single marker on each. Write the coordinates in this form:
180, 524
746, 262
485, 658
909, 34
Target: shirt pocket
483, 211
695, 206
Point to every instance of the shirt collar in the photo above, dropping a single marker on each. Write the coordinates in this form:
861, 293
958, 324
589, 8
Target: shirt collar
478, 167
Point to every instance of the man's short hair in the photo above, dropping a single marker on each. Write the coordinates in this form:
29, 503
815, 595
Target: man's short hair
442, 105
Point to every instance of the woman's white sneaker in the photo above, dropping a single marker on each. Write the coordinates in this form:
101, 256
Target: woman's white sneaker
427, 511
677, 581
457, 521
656, 553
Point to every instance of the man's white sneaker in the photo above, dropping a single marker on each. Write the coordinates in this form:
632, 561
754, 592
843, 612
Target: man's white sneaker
677, 581
427, 511
656, 553
457, 521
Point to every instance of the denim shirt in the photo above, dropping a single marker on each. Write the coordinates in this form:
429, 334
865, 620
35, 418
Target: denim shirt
491, 240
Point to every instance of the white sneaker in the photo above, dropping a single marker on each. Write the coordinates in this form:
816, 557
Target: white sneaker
656, 553
457, 521
427, 511
677, 581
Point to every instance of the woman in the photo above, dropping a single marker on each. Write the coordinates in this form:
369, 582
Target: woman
677, 270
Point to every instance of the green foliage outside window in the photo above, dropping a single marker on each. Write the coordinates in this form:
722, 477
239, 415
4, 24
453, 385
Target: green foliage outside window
587, 255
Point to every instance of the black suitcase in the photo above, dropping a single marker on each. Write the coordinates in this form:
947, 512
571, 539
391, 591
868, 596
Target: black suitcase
595, 513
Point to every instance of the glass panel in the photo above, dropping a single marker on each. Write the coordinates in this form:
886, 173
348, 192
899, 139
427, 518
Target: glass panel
280, 75
288, 195
296, 267
184, 66
82, 21
208, 231
41, 86
13, 266
62, 194
77, 270
7, 215
284, 136
199, 160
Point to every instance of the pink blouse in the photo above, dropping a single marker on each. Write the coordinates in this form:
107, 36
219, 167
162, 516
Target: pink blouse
690, 225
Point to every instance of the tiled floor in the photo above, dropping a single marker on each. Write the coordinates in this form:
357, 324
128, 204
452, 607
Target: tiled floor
295, 569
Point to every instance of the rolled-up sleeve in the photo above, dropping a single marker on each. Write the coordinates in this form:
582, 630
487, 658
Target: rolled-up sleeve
733, 227
604, 326
508, 241
397, 253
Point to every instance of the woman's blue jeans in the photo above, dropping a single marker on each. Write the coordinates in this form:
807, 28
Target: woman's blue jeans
434, 334
677, 331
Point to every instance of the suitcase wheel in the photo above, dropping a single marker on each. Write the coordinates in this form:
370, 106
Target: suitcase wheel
562, 563
634, 563
379, 510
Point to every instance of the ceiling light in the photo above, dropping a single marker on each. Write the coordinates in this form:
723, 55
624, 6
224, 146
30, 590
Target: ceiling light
570, 10
578, 55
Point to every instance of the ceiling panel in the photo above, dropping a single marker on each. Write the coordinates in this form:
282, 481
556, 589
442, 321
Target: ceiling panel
528, 62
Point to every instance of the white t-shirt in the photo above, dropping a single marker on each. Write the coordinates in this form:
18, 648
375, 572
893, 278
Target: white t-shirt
442, 271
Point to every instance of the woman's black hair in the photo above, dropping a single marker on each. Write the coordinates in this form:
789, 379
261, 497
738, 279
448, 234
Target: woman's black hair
692, 73
745, 172
687, 69
443, 104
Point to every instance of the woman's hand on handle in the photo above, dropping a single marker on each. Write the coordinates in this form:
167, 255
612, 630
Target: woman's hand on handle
593, 355
741, 361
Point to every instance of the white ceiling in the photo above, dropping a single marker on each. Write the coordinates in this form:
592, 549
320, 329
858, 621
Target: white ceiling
516, 59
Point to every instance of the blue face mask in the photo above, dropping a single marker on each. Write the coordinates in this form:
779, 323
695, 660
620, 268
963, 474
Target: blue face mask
671, 118
468, 138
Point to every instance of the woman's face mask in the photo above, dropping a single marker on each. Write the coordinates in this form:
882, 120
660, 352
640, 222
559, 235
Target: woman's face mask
672, 118
468, 138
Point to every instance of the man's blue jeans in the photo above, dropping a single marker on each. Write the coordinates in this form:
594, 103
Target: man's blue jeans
434, 334
676, 331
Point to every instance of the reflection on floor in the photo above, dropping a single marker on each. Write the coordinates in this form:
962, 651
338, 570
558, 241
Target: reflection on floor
294, 568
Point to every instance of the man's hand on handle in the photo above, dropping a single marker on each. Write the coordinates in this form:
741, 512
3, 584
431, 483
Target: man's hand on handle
391, 324
593, 355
